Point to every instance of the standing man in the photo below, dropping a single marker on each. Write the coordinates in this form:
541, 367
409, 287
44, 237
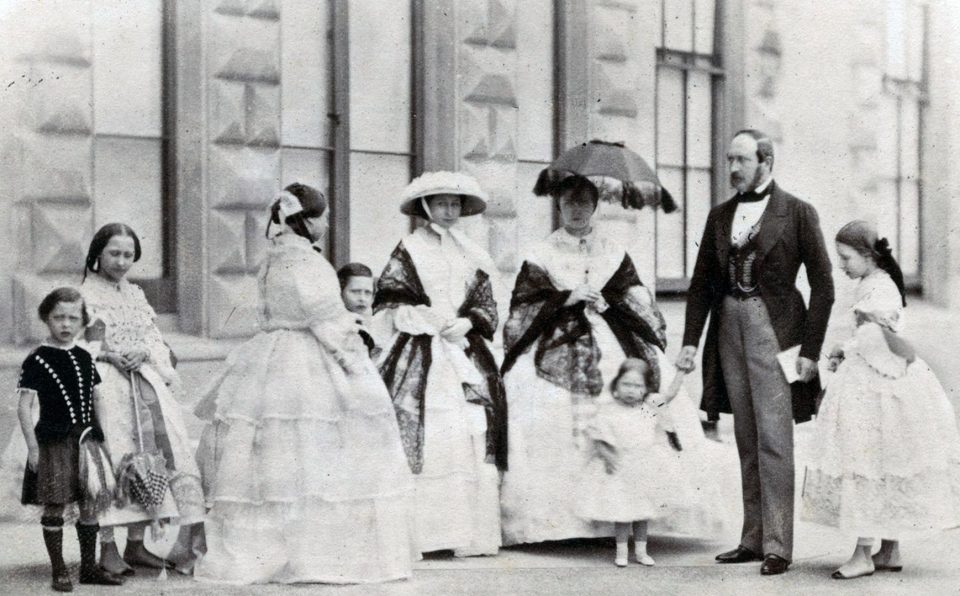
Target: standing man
745, 278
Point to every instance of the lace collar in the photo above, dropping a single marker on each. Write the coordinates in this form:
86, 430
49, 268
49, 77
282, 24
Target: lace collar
103, 283
564, 238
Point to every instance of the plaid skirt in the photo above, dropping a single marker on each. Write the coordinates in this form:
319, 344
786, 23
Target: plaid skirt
56, 481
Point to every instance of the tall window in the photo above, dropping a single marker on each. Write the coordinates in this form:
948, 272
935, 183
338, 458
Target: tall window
130, 136
904, 86
688, 69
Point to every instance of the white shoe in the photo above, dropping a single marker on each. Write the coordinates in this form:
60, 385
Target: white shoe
645, 559
620, 561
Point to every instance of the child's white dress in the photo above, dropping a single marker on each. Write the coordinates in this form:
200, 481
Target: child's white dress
885, 458
649, 480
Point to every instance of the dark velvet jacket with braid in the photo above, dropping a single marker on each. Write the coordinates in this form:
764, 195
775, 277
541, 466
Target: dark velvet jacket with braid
408, 360
566, 352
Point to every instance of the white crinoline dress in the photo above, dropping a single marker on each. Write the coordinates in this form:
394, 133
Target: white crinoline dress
131, 324
304, 470
885, 451
457, 496
547, 423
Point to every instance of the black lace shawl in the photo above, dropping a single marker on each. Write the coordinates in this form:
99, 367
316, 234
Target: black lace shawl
408, 360
566, 352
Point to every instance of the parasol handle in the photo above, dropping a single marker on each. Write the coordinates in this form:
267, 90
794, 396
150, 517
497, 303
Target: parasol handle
134, 393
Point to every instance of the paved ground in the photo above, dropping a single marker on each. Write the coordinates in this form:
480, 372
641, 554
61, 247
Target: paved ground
684, 565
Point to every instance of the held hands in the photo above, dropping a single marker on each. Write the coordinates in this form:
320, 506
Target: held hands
608, 453
687, 359
126, 361
582, 293
835, 358
806, 368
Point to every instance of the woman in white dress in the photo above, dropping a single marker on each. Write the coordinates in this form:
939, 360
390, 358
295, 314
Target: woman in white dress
136, 372
435, 302
304, 472
578, 310
885, 454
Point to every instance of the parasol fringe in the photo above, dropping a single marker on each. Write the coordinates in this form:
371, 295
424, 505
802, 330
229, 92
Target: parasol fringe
546, 182
96, 474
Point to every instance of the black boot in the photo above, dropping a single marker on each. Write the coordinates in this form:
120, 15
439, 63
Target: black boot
90, 572
53, 538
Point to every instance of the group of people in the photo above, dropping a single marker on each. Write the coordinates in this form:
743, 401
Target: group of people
370, 420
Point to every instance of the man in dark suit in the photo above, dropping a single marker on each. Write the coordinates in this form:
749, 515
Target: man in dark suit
745, 279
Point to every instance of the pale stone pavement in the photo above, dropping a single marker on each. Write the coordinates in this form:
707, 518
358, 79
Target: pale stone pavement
684, 565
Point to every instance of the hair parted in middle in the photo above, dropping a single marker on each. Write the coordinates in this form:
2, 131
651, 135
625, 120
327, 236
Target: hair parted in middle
576, 184
100, 241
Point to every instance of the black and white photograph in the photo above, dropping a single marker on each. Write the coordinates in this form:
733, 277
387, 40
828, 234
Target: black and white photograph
493, 297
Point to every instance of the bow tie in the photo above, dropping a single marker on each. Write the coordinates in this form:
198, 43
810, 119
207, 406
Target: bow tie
753, 196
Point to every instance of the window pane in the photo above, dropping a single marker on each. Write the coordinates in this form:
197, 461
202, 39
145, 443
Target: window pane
535, 79
380, 93
699, 120
697, 208
307, 70
127, 188
670, 102
678, 22
670, 240
910, 228
376, 224
127, 54
705, 11
909, 138
915, 35
896, 33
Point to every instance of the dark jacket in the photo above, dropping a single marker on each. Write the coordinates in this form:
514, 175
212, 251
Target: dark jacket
789, 236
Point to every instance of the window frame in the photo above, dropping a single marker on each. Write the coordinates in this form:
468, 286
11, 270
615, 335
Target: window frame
691, 61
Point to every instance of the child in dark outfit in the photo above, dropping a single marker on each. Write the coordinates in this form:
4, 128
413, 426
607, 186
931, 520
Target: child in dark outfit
66, 462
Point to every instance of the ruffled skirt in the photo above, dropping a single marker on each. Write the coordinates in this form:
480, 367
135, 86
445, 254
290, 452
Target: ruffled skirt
303, 469
541, 490
885, 454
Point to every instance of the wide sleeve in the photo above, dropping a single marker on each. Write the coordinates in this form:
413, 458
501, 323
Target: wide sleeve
813, 254
534, 303
401, 304
632, 307
31, 374
158, 350
480, 306
880, 302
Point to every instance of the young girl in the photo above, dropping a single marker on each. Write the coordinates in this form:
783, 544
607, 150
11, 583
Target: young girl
137, 373
66, 462
628, 480
885, 454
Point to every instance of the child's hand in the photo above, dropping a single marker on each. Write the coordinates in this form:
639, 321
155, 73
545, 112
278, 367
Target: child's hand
608, 453
656, 400
33, 458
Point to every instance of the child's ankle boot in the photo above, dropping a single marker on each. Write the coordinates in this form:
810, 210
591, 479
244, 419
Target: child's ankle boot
53, 539
90, 572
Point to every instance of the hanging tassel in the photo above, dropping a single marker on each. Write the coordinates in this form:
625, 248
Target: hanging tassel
96, 474
547, 182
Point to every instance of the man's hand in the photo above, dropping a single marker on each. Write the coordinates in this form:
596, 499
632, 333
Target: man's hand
687, 359
806, 368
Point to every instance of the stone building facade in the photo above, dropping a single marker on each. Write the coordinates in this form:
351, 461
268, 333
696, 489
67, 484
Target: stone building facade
183, 117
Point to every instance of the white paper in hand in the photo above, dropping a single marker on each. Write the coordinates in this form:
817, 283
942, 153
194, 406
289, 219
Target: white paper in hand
788, 362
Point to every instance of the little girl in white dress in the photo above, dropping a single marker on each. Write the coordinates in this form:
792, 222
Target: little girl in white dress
885, 457
630, 476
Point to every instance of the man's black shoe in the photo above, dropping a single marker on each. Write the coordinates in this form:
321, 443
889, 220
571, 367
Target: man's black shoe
774, 565
738, 555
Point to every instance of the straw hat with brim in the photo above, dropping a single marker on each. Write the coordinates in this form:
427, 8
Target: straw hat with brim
473, 200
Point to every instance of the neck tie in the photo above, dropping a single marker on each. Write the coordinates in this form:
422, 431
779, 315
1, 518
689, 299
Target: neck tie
752, 196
